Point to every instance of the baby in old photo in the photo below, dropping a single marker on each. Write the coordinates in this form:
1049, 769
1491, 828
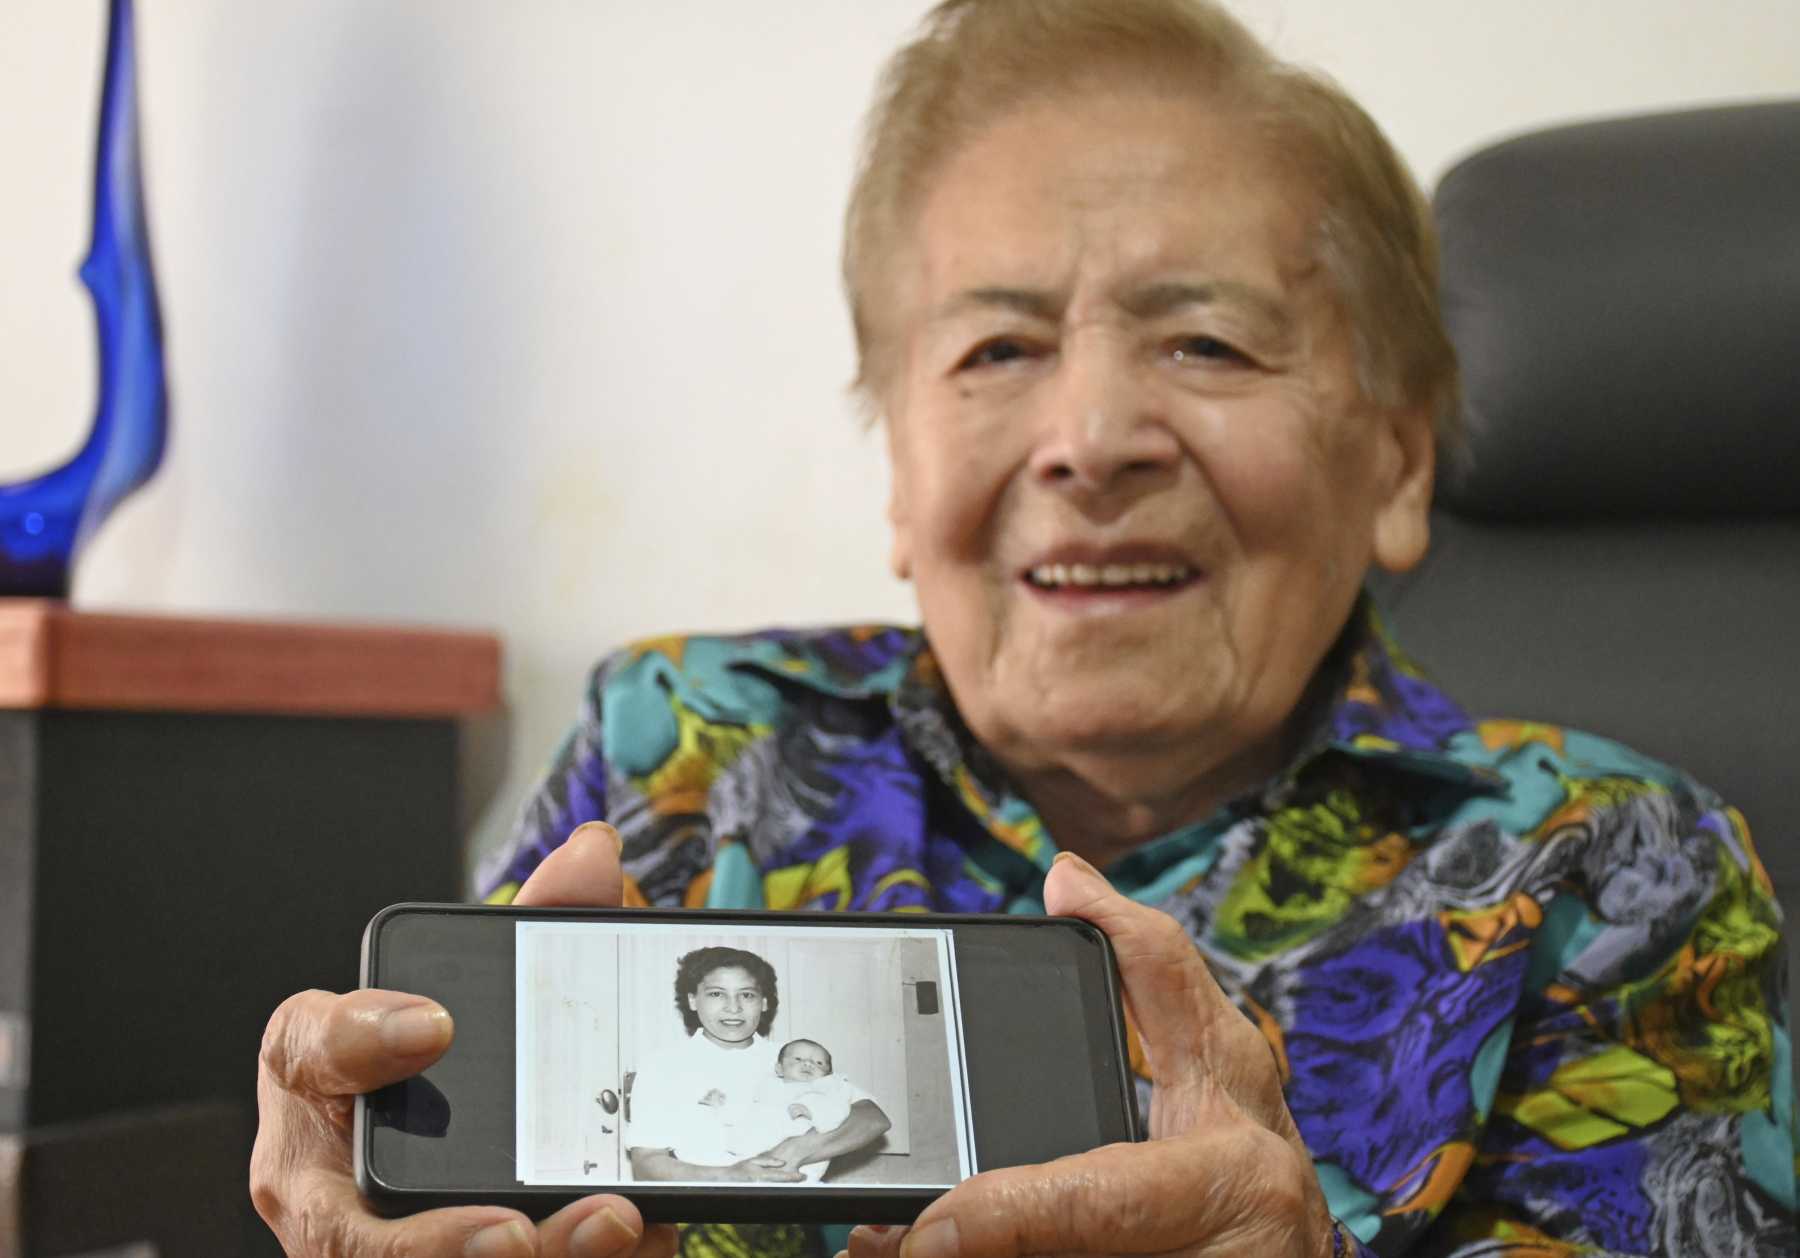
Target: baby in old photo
801, 1095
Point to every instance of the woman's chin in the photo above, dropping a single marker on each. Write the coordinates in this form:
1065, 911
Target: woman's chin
1144, 747
1131, 717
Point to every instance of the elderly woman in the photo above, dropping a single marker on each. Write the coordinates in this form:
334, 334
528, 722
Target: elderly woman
1149, 321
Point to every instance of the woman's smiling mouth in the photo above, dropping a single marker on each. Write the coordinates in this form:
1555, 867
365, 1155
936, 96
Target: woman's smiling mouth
1114, 578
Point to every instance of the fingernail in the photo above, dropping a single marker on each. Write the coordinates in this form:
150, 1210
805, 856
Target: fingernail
416, 1029
1080, 864
934, 1240
503, 1240
600, 1234
614, 843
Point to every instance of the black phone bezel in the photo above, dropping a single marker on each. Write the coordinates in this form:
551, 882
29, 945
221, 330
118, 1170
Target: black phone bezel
723, 1203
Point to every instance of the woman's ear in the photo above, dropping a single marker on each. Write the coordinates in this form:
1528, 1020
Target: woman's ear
898, 509
900, 542
1402, 525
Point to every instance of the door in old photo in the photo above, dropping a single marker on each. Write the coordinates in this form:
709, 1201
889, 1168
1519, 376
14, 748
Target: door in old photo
570, 1085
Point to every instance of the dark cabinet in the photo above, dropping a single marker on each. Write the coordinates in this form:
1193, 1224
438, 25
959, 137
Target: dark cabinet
196, 819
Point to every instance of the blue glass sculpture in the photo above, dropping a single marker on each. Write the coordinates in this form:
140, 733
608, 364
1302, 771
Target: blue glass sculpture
45, 521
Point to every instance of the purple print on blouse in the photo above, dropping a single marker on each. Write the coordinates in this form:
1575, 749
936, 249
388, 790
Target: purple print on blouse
1413, 712
1380, 1043
879, 814
1598, 1189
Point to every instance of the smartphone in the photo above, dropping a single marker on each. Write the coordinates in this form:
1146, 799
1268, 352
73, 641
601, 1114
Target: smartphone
859, 1064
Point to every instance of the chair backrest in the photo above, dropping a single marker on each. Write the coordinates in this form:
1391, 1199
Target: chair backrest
1619, 550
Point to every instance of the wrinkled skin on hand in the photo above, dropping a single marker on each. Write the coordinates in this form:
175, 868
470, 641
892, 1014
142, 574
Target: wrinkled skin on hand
1224, 1171
321, 1049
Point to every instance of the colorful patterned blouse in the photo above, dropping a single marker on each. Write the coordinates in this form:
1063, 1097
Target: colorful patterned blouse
1524, 985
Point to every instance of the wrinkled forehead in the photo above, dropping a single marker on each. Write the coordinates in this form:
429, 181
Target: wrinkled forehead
1109, 196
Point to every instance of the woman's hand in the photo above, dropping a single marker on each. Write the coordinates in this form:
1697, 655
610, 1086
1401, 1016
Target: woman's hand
866, 1123
793, 1152
763, 1168
662, 1164
1224, 1172
321, 1050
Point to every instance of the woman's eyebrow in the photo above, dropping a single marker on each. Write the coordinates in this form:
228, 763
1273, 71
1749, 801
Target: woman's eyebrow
1153, 301
1034, 303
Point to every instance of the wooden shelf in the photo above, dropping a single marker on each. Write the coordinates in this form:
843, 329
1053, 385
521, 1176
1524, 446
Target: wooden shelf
52, 656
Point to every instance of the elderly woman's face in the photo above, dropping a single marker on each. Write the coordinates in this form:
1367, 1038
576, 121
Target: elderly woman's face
1134, 481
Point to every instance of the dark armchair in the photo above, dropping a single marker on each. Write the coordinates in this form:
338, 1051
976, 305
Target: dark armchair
1620, 550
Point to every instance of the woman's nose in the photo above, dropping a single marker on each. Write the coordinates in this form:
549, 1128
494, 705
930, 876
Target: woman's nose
1101, 431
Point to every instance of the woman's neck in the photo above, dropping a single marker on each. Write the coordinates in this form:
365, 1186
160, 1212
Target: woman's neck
1103, 808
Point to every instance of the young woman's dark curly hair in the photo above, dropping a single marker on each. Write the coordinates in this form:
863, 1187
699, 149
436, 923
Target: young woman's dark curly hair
696, 965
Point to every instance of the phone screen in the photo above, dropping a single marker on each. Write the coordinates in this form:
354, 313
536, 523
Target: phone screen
590, 1044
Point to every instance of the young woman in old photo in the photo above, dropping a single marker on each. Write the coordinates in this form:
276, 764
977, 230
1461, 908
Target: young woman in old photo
681, 1104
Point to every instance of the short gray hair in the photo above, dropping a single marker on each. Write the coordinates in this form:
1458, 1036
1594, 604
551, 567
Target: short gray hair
975, 60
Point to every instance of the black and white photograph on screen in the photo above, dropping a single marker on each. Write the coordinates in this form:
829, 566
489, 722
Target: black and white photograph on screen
785, 1056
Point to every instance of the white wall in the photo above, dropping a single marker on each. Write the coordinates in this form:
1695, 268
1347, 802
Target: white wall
524, 316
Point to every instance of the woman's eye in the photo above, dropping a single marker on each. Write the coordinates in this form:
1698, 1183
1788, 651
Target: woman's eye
1205, 349
993, 353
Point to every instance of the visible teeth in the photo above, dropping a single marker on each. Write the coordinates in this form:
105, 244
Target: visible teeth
1053, 575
